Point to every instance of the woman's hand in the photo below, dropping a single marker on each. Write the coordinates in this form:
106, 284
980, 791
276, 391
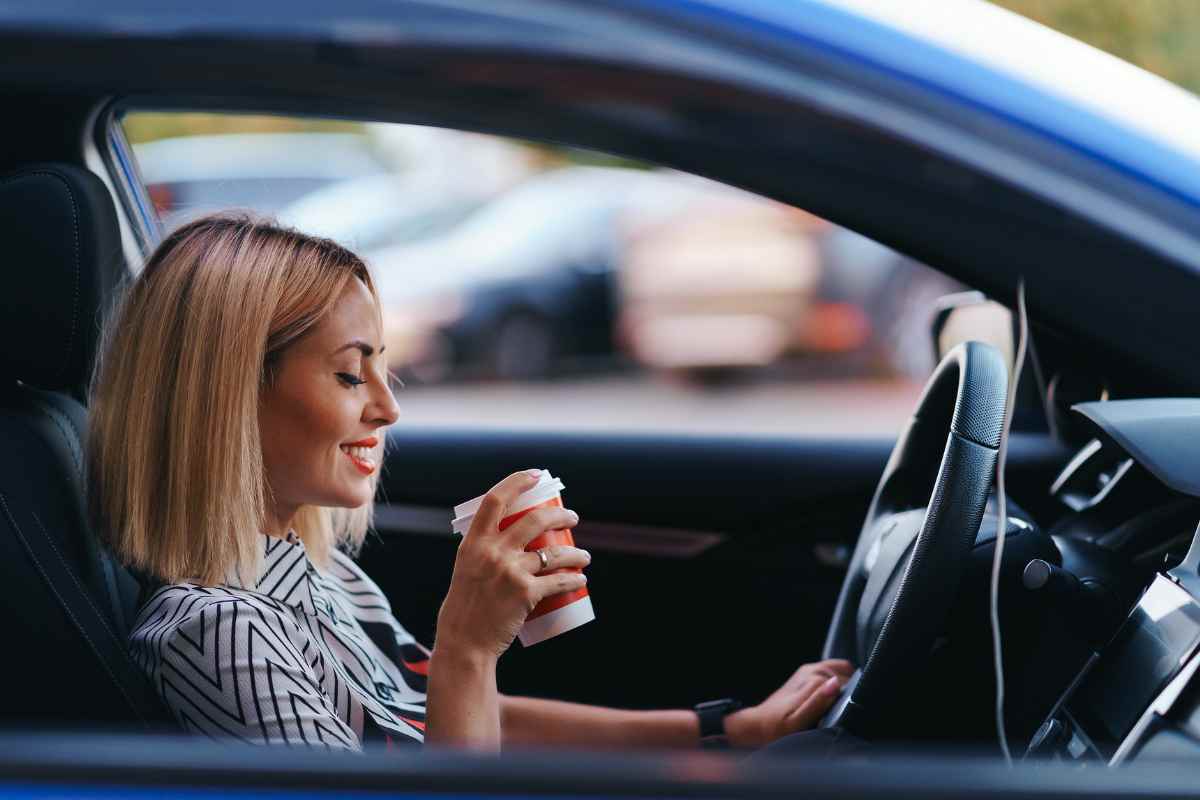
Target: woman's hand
495, 583
494, 587
797, 705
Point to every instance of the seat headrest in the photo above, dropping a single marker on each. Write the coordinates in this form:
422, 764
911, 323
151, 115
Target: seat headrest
63, 261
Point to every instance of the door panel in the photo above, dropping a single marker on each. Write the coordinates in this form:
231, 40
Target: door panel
716, 561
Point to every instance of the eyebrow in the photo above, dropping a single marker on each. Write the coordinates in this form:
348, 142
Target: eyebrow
358, 344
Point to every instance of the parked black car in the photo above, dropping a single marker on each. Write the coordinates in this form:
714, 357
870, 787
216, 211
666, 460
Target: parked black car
524, 287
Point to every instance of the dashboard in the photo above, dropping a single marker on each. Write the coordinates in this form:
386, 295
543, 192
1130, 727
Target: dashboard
1126, 693
1130, 491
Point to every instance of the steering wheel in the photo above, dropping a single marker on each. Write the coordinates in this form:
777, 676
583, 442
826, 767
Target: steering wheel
918, 533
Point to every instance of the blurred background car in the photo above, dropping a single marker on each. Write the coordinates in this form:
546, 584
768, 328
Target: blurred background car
370, 213
523, 287
731, 283
367, 187
723, 282
188, 176
876, 304
436, 178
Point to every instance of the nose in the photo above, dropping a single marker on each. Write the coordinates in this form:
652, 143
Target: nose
382, 410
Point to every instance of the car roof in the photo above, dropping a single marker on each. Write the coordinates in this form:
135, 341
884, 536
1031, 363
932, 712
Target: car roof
1011, 65
963, 163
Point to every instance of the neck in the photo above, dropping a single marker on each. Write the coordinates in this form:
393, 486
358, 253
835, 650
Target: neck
279, 521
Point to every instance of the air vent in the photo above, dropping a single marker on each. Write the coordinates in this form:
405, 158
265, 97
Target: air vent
1090, 476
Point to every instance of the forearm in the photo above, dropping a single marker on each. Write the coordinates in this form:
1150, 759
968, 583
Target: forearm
462, 703
528, 721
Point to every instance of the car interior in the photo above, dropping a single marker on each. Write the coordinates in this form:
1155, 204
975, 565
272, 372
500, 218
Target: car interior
754, 548
747, 580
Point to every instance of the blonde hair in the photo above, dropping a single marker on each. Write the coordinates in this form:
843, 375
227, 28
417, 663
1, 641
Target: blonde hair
178, 487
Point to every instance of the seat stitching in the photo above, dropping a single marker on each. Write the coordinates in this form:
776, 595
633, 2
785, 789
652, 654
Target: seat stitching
86, 597
75, 229
70, 421
53, 416
66, 606
110, 581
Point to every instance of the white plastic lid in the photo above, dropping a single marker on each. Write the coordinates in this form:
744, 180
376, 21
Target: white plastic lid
547, 486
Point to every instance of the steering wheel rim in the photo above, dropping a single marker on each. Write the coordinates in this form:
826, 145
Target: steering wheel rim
963, 402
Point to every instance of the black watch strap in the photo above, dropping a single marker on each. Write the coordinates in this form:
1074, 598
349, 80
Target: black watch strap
712, 722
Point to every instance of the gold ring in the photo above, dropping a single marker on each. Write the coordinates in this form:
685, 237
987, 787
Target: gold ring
541, 554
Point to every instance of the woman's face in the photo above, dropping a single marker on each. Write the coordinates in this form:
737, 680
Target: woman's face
321, 418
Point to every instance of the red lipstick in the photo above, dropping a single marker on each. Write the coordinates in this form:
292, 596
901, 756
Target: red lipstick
359, 454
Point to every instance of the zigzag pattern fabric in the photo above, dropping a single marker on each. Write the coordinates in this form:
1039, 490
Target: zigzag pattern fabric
301, 656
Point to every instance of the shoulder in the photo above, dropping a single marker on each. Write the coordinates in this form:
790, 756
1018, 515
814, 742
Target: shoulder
181, 601
194, 612
172, 604
237, 664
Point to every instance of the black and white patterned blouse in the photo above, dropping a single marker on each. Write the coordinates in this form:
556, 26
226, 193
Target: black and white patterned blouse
303, 656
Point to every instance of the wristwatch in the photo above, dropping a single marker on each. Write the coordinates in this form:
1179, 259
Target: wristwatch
712, 722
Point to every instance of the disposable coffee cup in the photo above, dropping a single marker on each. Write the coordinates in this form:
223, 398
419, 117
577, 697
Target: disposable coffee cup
555, 614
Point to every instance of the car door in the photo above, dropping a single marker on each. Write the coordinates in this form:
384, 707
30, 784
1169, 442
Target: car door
716, 559
720, 497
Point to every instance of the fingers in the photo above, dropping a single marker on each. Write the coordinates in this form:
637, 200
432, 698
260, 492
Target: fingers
550, 585
497, 500
832, 666
557, 557
813, 705
538, 521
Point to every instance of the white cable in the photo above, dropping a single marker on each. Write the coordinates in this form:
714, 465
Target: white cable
1002, 522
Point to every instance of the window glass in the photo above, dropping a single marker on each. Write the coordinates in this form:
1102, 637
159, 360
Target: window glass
525, 285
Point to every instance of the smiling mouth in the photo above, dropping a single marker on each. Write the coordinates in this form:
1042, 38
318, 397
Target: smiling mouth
359, 454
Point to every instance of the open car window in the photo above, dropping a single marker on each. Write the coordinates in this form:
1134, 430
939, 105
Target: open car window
525, 285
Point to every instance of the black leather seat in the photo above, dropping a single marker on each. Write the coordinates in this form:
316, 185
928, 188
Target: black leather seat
67, 604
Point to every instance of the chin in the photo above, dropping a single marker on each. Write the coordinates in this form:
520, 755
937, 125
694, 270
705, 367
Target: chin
353, 499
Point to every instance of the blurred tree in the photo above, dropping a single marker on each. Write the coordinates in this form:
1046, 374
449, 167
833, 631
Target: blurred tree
1157, 35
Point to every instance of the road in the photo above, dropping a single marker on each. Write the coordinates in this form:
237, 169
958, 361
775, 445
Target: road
847, 407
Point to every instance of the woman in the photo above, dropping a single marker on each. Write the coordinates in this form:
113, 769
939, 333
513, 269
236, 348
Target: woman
236, 433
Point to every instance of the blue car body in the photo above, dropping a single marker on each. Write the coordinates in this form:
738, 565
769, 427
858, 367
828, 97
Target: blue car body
886, 127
